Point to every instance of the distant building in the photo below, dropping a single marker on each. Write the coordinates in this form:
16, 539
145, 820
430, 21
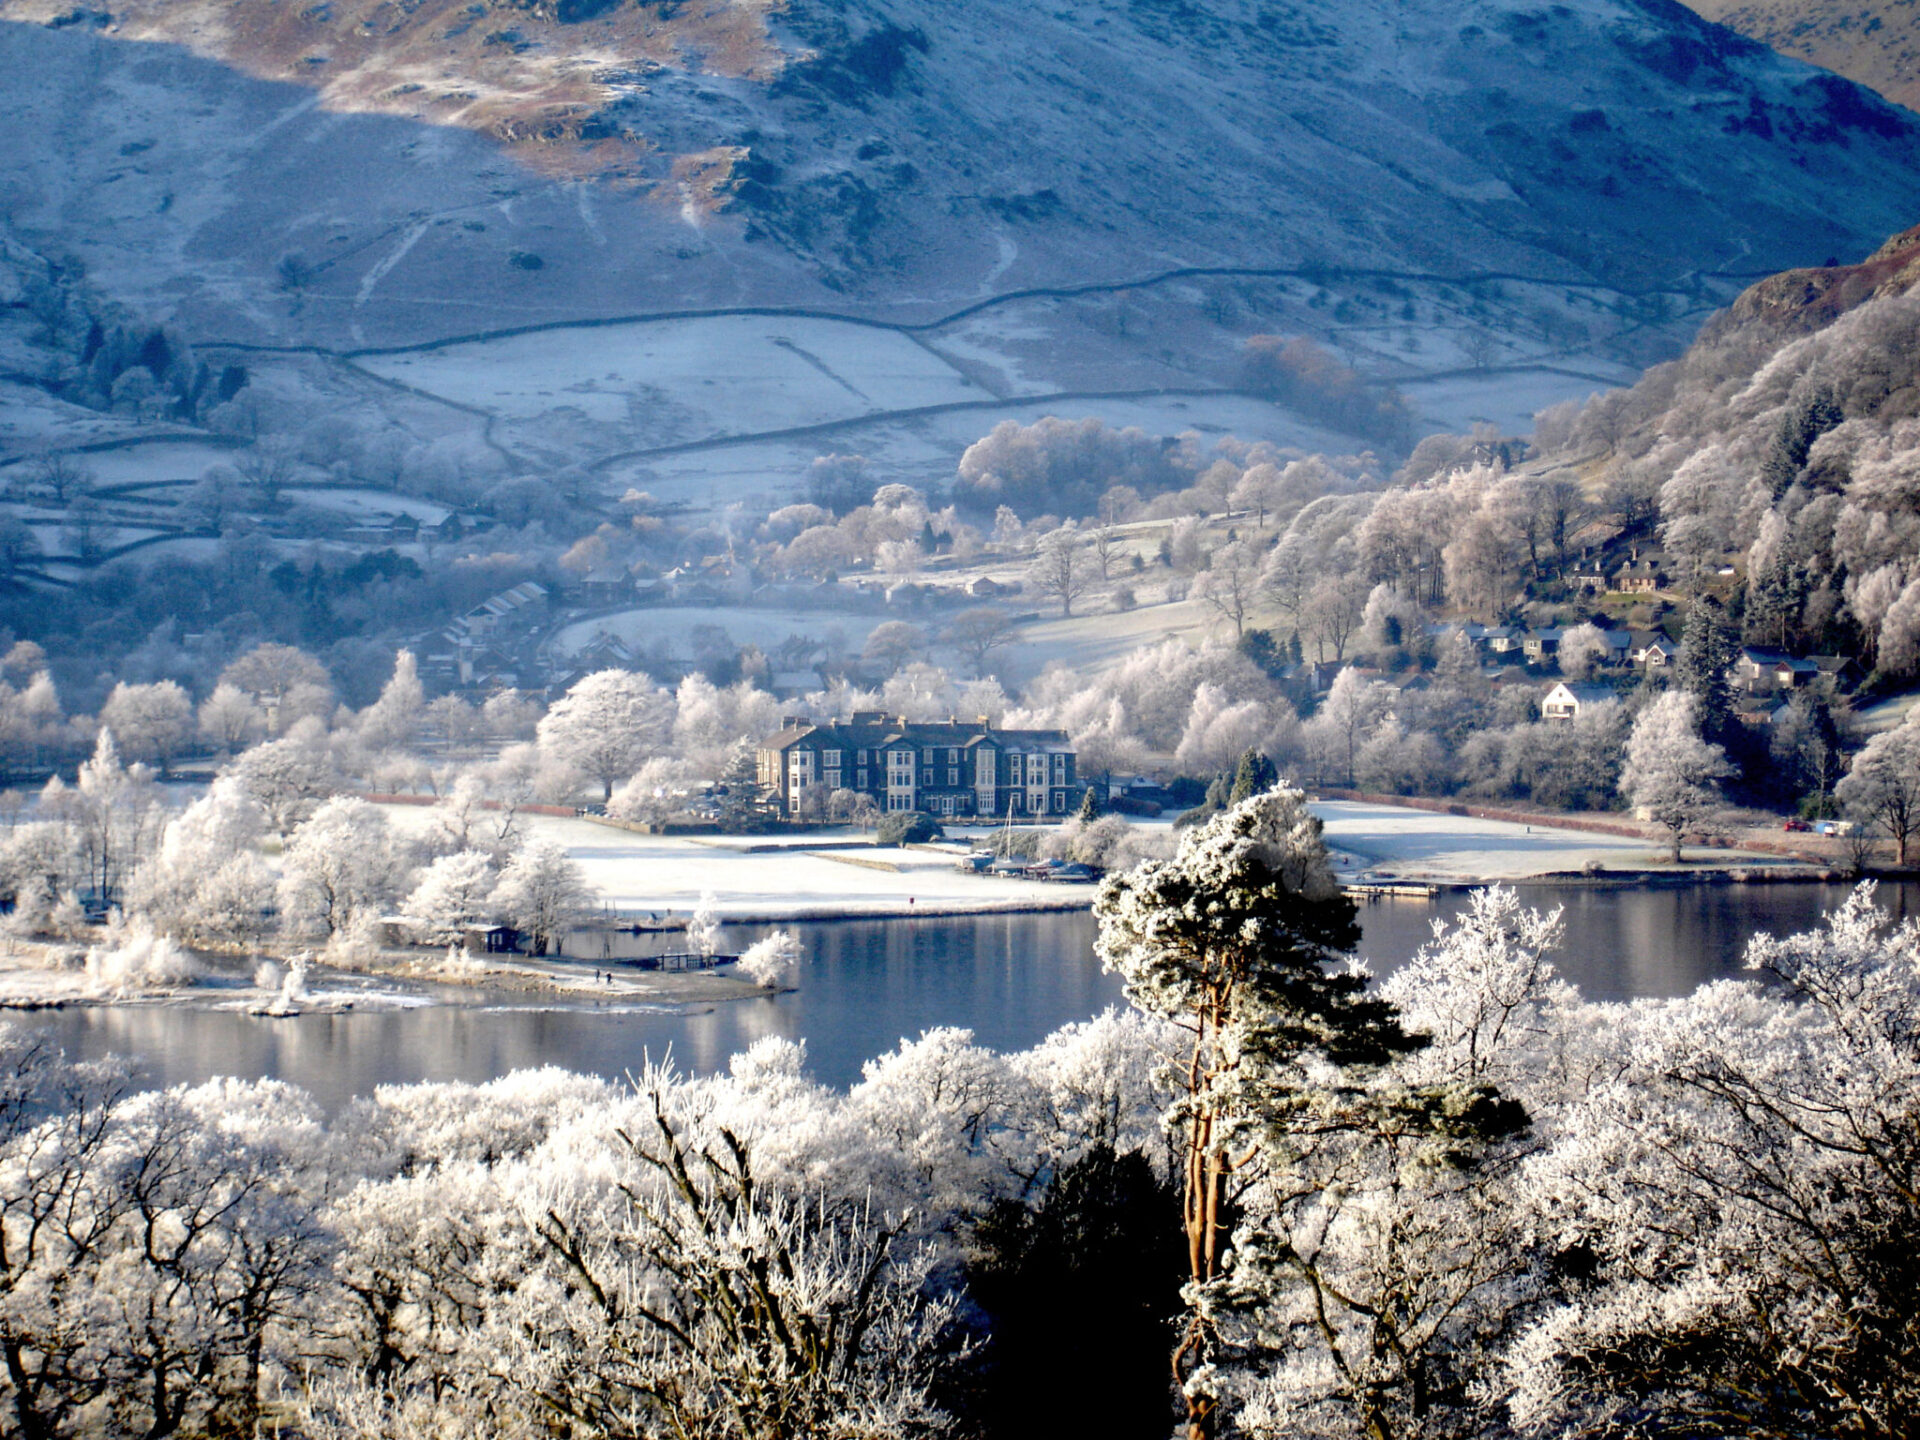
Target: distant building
1654, 650
1565, 702
1760, 671
944, 767
1641, 577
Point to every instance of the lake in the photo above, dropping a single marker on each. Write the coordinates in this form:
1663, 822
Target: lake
866, 984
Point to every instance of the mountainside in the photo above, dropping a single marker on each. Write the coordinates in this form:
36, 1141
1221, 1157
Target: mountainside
353, 172
1876, 43
1782, 449
1796, 302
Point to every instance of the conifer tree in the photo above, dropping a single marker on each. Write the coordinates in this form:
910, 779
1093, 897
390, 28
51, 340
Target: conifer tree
1706, 651
1232, 940
1256, 773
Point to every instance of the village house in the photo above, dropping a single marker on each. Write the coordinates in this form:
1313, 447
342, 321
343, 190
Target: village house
1652, 650
1565, 702
1640, 576
1760, 671
944, 767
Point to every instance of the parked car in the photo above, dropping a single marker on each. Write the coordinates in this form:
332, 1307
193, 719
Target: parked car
1797, 825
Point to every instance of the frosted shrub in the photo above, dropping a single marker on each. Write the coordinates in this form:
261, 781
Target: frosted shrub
139, 960
773, 962
703, 929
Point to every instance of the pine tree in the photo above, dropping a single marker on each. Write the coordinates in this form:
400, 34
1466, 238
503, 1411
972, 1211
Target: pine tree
1255, 774
1090, 807
1706, 652
746, 806
1233, 940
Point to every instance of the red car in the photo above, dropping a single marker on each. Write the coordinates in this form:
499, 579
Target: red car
1795, 825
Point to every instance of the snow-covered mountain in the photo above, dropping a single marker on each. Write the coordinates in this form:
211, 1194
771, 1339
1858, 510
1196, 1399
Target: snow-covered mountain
350, 172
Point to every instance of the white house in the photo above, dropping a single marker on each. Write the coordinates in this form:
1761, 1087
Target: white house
1564, 701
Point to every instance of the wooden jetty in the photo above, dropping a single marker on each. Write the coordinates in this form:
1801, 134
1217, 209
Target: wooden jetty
1390, 890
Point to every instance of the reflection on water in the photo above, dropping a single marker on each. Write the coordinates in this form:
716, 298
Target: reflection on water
866, 984
1631, 943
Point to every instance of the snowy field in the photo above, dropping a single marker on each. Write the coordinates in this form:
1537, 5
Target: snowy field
358, 504
1887, 715
1507, 398
674, 624
687, 379
924, 450
667, 875
1092, 642
1420, 845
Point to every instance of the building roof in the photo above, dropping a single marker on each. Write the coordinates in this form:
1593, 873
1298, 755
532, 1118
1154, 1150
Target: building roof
871, 730
1584, 694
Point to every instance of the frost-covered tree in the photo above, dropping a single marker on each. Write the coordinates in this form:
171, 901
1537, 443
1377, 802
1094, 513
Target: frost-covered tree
1582, 647
39, 863
149, 722
161, 1250
393, 720
701, 1299
454, 894
1706, 652
978, 632
542, 894
338, 870
709, 721
1375, 1268
608, 725
229, 720
1672, 775
1347, 715
1735, 1190
1061, 568
652, 794
1219, 731
773, 961
113, 809
1233, 941
1882, 786
932, 1110
1398, 761
207, 882
289, 684
1230, 585
290, 776
703, 926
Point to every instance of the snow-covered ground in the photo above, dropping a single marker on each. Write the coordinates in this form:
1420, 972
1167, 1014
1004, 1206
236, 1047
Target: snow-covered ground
687, 379
1507, 398
1887, 715
361, 503
667, 875
924, 449
674, 624
1421, 845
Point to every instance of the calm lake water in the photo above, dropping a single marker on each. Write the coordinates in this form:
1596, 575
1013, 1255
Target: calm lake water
866, 984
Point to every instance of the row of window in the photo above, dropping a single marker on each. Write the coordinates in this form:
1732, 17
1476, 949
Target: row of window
929, 758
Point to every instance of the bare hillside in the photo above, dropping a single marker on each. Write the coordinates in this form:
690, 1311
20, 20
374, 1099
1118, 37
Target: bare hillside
351, 173
1876, 43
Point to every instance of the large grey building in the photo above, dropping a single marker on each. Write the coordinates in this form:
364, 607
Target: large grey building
944, 767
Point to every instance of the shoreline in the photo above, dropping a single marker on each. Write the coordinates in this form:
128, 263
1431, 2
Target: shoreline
389, 980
